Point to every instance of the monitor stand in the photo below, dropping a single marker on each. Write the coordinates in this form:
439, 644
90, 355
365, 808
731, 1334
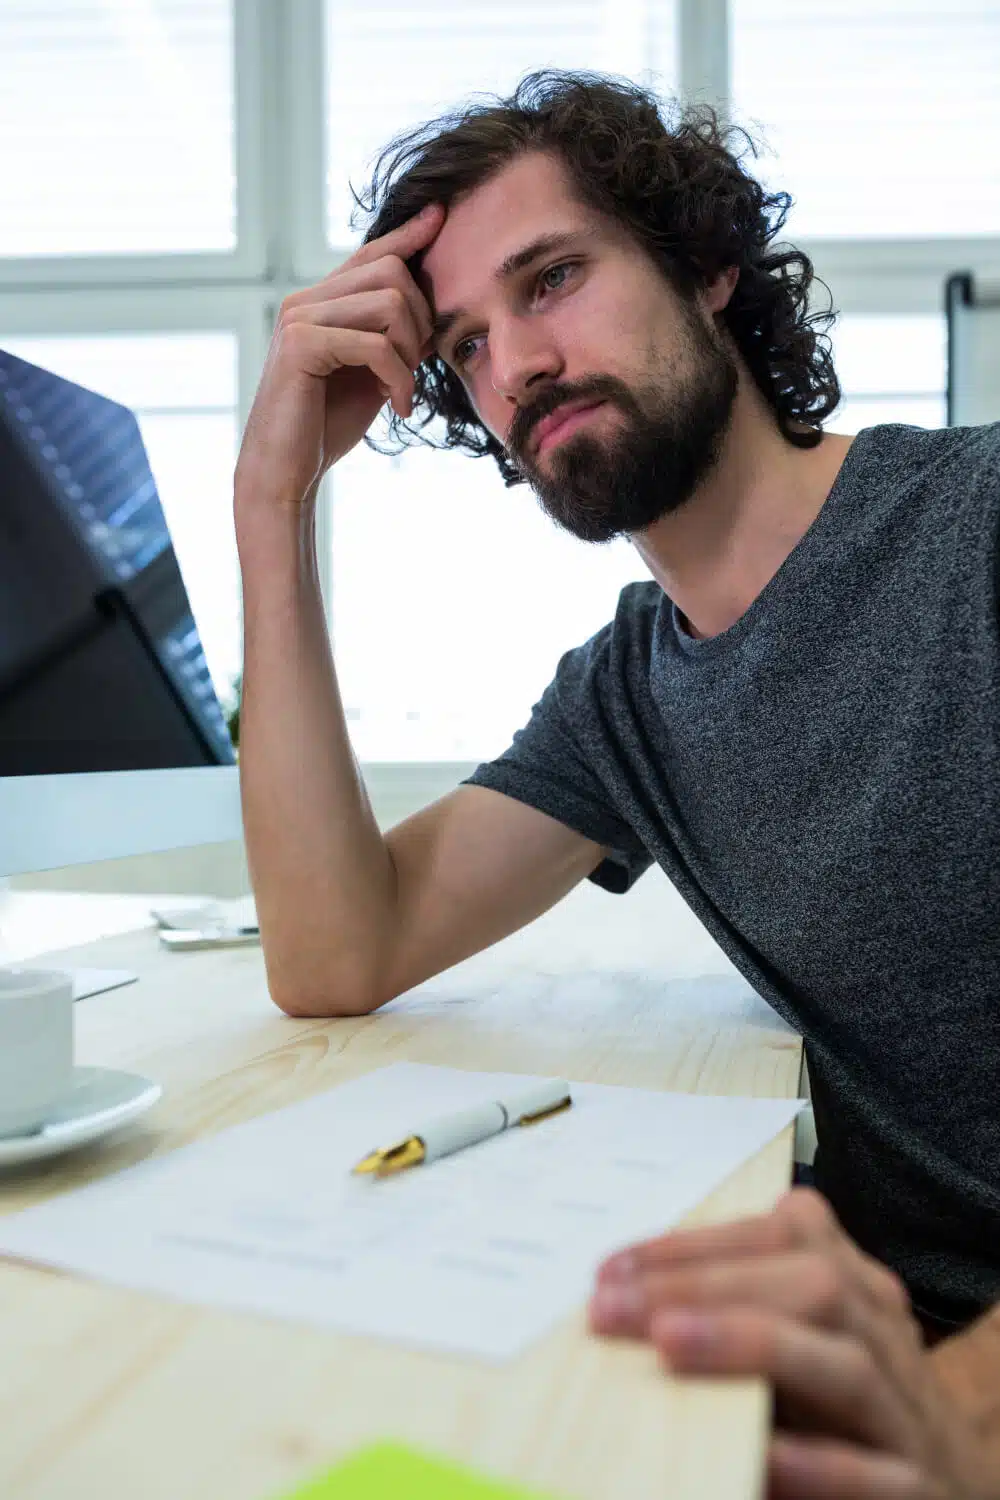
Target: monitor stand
87, 982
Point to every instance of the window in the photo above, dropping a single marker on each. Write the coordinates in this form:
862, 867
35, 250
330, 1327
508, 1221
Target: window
453, 597
443, 52
182, 389
124, 112
891, 369
882, 116
155, 214
120, 226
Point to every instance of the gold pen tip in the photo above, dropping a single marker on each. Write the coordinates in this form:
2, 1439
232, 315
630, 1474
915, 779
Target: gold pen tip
391, 1159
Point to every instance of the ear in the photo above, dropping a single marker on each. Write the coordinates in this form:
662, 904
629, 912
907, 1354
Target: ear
717, 293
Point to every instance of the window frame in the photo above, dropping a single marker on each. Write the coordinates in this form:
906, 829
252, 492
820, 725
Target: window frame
248, 259
279, 135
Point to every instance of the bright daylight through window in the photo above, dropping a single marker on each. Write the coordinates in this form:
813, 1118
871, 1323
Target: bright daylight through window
135, 143
179, 209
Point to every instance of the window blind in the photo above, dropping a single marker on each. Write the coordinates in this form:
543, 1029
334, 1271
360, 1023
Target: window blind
117, 126
882, 116
390, 66
440, 652
891, 369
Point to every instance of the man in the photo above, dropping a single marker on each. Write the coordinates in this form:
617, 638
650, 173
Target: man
798, 718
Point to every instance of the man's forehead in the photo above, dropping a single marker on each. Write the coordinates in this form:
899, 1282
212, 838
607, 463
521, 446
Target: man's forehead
527, 201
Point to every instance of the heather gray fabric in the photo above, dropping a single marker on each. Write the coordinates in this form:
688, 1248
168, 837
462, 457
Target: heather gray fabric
822, 784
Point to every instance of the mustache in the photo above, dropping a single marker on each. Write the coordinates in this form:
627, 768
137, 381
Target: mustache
526, 418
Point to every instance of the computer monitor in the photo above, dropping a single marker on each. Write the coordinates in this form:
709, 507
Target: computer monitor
112, 739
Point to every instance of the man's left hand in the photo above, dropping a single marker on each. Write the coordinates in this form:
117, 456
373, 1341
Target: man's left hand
860, 1413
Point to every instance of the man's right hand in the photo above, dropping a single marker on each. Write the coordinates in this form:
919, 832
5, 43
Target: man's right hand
339, 351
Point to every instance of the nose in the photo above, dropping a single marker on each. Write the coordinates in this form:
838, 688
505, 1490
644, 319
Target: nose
522, 358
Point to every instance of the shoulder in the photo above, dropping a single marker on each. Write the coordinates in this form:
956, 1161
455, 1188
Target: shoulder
900, 452
617, 654
627, 635
939, 484
639, 607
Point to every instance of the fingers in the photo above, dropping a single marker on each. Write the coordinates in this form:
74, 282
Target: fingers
827, 1282
788, 1297
416, 234
809, 1286
801, 1220
387, 274
757, 1236
372, 296
318, 351
826, 1470
812, 1284
801, 1284
833, 1382
382, 262
384, 311
367, 326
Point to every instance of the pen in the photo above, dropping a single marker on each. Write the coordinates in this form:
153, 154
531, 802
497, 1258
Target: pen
467, 1127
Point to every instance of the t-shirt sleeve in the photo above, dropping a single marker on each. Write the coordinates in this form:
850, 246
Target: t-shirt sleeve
547, 767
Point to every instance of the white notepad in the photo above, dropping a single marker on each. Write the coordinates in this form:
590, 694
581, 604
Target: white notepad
479, 1253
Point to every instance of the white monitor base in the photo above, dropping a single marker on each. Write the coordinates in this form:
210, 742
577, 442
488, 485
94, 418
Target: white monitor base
87, 982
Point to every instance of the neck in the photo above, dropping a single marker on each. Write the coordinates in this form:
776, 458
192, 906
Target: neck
715, 554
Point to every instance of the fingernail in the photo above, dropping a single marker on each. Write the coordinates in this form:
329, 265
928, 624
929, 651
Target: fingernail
616, 1307
620, 1267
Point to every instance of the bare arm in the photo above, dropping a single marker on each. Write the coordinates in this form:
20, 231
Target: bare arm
349, 918
471, 869
322, 876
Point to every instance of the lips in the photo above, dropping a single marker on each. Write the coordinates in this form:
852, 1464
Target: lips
550, 424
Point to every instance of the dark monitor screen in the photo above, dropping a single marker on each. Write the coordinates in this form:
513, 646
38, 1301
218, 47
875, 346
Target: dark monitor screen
101, 665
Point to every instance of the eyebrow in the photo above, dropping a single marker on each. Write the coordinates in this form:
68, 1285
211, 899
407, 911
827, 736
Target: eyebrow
545, 244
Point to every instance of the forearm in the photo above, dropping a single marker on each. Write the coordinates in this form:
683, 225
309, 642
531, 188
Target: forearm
322, 875
968, 1365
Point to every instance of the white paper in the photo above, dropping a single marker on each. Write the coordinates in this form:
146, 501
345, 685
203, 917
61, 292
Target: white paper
479, 1253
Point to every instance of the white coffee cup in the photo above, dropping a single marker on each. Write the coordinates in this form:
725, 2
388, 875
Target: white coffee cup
36, 1047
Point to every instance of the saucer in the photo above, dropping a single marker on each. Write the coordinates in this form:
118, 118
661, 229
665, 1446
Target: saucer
100, 1099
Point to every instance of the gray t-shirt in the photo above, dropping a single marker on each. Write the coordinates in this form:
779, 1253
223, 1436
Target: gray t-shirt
822, 784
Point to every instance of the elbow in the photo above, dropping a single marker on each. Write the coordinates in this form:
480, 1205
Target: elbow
319, 981
327, 1000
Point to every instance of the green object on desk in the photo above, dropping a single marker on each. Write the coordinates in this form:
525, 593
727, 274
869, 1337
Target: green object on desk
390, 1471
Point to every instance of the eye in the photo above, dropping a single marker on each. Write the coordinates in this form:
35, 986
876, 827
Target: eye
464, 350
554, 277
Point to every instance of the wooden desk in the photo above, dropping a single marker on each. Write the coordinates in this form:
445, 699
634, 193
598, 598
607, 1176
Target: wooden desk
110, 1395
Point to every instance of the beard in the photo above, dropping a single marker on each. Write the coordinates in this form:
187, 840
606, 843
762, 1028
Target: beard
670, 438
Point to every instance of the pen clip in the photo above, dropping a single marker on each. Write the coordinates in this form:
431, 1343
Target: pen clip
543, 1114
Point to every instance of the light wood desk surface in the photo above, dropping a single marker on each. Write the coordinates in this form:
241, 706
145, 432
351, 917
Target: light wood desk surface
106, 1394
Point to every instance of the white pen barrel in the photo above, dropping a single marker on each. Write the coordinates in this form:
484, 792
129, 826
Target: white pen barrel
465, 1128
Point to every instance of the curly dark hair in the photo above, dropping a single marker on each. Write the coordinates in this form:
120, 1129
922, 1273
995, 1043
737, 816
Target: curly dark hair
674, 183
